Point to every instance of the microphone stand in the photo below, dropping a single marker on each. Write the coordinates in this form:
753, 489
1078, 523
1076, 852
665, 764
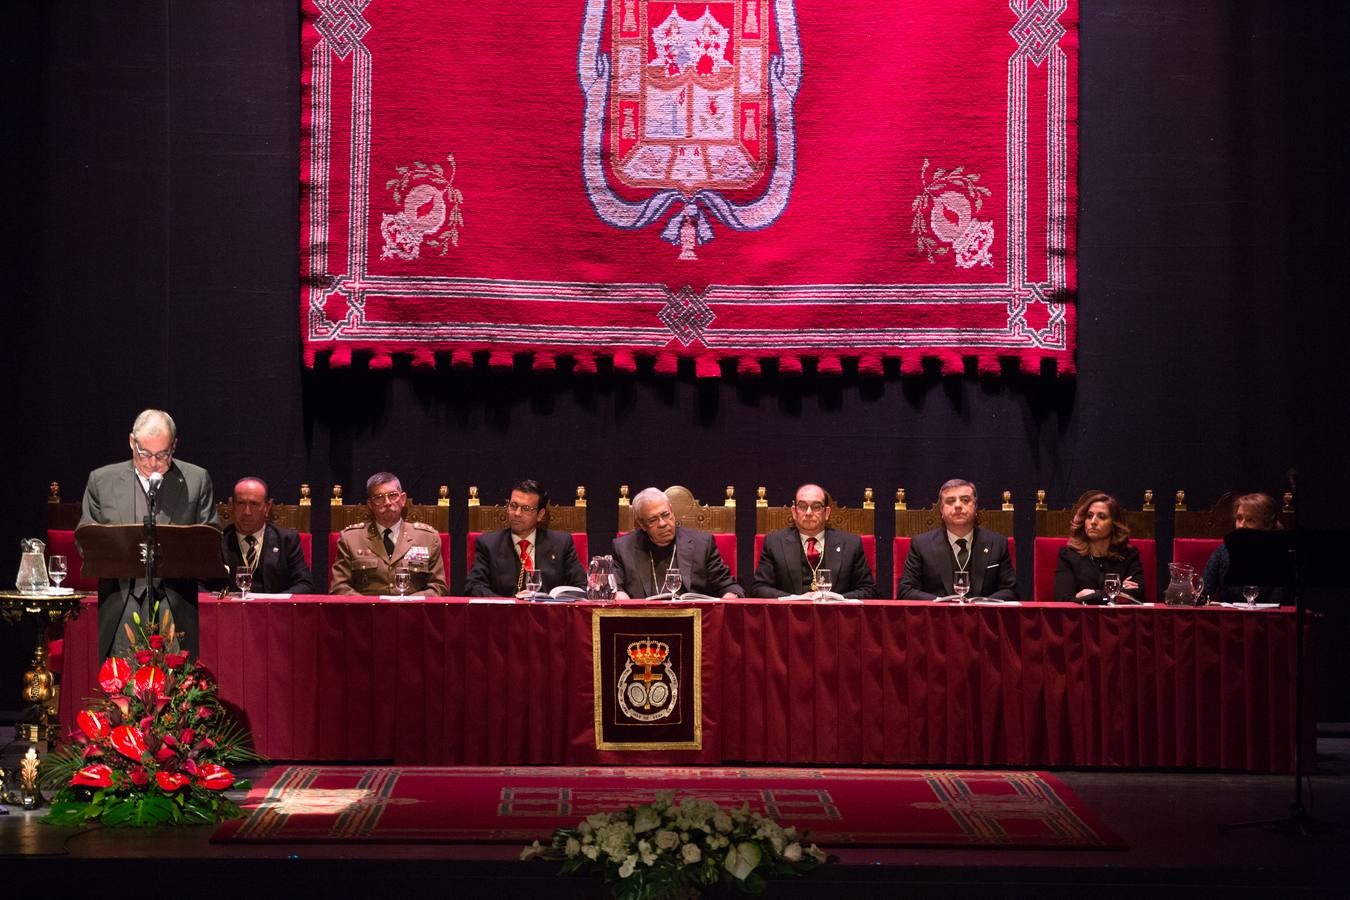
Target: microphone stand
151, 548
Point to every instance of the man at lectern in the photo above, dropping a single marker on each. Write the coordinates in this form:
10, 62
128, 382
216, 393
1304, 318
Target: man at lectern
370, 553
119, 494
501, 558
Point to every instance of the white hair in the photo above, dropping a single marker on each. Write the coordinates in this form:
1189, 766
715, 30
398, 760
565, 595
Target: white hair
154, 421
648, 495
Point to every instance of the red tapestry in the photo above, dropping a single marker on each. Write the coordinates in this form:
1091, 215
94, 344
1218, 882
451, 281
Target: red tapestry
865, 807
721, 180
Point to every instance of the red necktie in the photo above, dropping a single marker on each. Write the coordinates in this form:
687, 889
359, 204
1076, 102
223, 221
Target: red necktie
812, 554
525, 562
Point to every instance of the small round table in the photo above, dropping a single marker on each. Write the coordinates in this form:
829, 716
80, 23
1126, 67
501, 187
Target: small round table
39, 685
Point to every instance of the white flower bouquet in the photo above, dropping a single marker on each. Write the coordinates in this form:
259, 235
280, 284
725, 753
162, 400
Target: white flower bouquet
667, 851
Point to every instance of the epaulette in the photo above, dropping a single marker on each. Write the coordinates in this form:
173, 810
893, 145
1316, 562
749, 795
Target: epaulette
356, 525
423, 525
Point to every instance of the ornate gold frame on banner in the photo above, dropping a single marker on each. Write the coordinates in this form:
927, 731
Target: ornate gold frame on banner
695, 675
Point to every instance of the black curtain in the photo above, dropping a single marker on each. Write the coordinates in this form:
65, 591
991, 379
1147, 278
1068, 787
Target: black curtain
151, 259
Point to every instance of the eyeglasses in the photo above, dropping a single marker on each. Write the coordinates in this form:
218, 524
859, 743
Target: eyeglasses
145, 455
520, 507
656, 519
802, 506
386, 497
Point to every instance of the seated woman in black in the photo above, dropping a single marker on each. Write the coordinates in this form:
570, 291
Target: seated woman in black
1099, 542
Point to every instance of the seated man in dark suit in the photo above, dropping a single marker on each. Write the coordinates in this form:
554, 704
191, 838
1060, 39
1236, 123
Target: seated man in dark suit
270, 552
960, 545
501, 558
794, 554
642, 557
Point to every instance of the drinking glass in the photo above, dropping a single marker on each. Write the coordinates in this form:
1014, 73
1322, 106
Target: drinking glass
1111, 587
824, 581
534, 581
961, 585
402, 580
56, 568
243, 579
1249, 593
672, 583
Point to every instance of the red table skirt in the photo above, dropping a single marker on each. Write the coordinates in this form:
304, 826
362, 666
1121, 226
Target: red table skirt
450, 682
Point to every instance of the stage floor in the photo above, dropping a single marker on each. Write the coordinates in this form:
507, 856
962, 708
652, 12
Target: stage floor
1170, 822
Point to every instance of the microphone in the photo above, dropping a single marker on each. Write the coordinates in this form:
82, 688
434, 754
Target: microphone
155, 479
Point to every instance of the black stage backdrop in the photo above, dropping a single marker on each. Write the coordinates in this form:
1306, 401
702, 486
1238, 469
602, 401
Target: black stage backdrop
151, 243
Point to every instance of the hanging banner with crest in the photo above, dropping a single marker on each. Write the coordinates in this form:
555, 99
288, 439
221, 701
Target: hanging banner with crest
648, 684
739, 183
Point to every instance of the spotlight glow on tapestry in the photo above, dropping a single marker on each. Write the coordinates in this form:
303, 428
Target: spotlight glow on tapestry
756, 181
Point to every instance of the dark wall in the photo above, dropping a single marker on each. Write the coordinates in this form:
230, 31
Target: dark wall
151, 250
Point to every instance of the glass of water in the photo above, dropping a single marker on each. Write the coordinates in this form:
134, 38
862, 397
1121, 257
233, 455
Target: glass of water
672, 583
402, 580
1111, 587
1249, 593
56, 568
243, 579
961, 585
534, 581
824, 581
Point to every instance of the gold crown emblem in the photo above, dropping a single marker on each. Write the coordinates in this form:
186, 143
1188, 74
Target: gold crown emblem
648, 652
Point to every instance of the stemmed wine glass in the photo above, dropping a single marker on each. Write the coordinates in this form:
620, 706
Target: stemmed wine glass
243, 579
534, 582
824, 581
1249, 593
961, 585
1111, 587
402, 581
672, 583
56, 568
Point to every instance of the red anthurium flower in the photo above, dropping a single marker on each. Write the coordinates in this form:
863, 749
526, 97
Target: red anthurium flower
99, 776
171, 781
129, 742
174, 660
157, 641
113, 675
148, 681
138, 777
214, 777
93, 724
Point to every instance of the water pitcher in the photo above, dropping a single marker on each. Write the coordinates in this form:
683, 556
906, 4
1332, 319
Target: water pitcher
1184, 586
32, 566
600, 582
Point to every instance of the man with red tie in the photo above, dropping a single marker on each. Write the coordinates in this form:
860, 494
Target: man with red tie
501, 558
792, 556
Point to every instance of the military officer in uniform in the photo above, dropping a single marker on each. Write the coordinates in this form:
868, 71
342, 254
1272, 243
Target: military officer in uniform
368, 554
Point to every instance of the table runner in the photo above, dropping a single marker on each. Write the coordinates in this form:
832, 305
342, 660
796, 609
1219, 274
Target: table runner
756, 182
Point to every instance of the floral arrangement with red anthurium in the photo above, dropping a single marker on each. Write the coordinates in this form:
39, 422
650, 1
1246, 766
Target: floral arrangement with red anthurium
155, 748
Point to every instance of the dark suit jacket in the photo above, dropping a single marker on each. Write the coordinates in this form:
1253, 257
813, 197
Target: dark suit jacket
186, 497
929, 567
496, 568
783, 568
701, 566
281, 565
1075, 571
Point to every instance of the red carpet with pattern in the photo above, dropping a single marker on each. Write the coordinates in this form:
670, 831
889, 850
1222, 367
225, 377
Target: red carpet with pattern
838, 806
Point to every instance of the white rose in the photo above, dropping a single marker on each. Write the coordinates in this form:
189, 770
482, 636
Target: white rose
590, 851
691, 854
792, 852
722, 822
573, 847
667, 840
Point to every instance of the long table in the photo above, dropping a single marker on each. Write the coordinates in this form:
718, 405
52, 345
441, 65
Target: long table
457, 682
